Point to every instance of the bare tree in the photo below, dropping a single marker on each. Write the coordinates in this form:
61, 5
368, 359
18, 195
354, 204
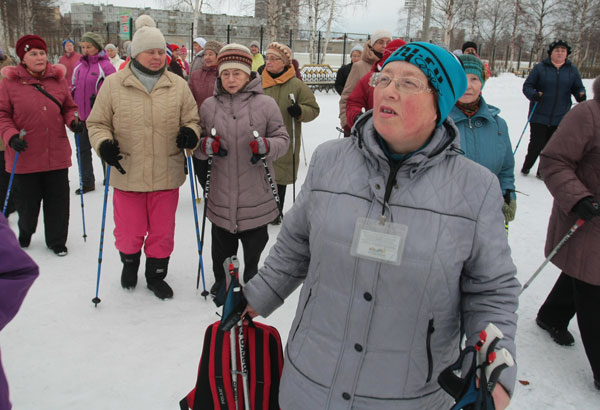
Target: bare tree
540, 14
448, 15
495, 18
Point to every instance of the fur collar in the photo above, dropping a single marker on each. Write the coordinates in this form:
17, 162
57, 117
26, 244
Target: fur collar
19, 72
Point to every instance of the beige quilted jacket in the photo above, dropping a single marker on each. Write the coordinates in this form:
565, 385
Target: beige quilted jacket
146, 126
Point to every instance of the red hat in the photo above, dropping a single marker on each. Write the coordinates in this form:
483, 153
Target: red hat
29, 42
173, 47
391, 47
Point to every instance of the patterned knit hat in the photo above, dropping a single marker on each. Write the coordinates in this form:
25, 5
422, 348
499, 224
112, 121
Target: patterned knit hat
94, 39
473, 65
235, 56
280, 50
442, 69
214, 46
28, 42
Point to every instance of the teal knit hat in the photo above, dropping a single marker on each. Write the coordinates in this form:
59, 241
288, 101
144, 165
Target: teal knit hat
442, 68
473, 65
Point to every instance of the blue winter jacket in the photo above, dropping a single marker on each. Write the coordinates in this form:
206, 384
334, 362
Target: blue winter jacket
484, 139
557, 84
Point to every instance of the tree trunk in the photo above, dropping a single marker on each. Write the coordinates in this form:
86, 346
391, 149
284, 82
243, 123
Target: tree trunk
328, 35
514, 34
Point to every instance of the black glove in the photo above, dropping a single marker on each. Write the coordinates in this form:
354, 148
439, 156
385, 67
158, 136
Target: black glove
537, 97
110, 153
17, 143
295, 110
581, 97
187, 138
587, 208
92, 100
77, 126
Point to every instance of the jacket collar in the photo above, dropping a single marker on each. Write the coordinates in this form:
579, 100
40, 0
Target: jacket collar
130, 80
20, 73
487, 112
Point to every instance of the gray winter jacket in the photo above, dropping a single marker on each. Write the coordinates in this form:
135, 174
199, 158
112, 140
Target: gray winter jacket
240, 196
370, 335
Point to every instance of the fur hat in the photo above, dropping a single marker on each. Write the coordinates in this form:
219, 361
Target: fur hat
379, 34
468, 44
559, 43
147, 38
473, 65
201, 41
358, 48
235, 56
442, 68
144, 21
214, 46
282, 51
94, 39
28, 42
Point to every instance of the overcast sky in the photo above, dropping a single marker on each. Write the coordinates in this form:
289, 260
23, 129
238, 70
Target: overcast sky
377, 15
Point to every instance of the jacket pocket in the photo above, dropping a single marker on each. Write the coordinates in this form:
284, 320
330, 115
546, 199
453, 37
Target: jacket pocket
302, 314
430, 330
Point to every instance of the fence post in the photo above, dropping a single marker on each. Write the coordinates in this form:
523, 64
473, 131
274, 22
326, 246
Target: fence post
319, 49
191, 57
262, 33
291, 40
228, 33
493, 60
344, 52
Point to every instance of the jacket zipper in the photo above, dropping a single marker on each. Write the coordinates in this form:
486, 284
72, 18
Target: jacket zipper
555, 96
430, 330
302, 314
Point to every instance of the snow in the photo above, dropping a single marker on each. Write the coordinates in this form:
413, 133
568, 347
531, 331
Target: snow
135, 351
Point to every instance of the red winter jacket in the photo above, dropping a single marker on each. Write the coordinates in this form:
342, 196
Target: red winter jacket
70, 61
362, 95
24, 107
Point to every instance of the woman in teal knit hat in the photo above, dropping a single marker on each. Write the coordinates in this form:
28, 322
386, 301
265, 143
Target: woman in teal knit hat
483, 133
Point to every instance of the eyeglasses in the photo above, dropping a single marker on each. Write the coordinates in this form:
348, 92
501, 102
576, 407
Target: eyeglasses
404, 85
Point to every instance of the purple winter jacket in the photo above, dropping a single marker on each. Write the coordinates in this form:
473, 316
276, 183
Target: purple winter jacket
87, 80
17, 273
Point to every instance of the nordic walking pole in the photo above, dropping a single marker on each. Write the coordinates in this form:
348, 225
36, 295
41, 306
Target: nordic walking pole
293, 153
526, 124
243, 364
12, 175
213, 132
565, 238
269, 177
97, 300
80, 178
200, 261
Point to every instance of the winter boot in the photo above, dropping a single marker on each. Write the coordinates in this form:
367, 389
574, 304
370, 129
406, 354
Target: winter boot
156, 271
131, 263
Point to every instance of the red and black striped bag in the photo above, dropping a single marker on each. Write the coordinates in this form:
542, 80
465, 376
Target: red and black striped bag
264, 357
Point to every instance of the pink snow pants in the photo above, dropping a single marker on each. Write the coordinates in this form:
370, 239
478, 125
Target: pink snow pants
145, 219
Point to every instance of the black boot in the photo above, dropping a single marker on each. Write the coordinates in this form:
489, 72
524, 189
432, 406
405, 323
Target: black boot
131, 263
156, 271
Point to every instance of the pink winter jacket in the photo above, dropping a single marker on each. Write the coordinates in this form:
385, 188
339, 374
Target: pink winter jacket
88, 77
24, 107
202, 83
70, 61
240, 197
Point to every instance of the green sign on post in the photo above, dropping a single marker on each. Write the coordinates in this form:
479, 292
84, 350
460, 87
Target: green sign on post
126, 29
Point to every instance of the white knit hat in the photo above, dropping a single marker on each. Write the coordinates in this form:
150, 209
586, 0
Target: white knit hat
201, 41
379, 34
235, 56
357, 47
147, 38
144, 21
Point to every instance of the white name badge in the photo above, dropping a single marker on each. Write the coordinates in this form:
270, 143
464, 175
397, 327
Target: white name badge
379, 242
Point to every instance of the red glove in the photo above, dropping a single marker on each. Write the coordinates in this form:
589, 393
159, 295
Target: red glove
259, 147
212, 146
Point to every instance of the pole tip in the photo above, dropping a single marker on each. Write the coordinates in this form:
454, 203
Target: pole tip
95, 301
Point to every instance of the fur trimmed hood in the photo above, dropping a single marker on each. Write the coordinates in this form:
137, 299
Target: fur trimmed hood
57, 71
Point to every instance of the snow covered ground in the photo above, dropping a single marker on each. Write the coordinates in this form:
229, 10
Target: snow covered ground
135, 351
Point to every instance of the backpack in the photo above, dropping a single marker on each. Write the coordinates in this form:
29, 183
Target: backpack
214, 388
